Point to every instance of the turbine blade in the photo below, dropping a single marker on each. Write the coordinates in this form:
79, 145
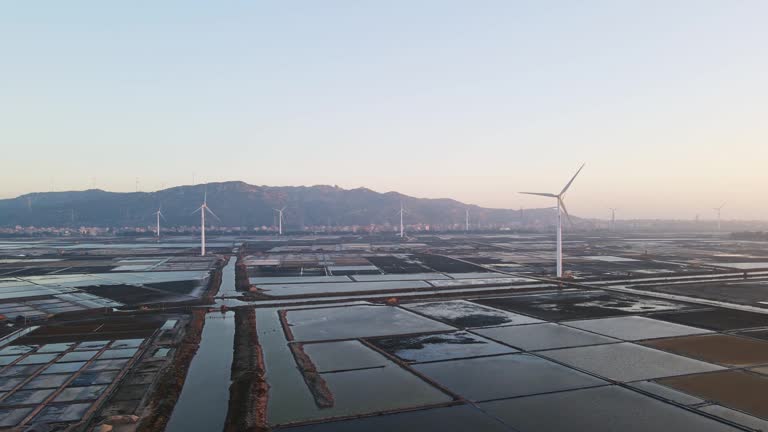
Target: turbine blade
549, 195
212, 213
572, 179
163, 216
565, 210
198, 209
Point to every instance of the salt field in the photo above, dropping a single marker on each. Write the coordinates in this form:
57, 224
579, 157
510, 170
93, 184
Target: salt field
459, 333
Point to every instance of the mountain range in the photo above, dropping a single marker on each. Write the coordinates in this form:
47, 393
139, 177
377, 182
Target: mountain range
244, 205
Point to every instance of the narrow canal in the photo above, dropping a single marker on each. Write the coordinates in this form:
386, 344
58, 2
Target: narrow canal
228, 286
203, 403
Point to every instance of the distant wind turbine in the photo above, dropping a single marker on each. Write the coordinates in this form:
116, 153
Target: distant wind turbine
280, 221
560, 210
466, 224
202, 209
159, 214
402, 226
718, 210
613, 218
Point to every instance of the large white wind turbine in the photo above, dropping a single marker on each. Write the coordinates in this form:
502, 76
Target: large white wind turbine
202, 209
159, 214
560, 210
280, 221
718, 211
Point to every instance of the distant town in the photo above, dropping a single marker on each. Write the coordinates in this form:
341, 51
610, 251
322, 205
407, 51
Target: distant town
583, 225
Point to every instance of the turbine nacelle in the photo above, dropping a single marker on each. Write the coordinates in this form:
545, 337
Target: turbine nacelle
208, 210
561, 196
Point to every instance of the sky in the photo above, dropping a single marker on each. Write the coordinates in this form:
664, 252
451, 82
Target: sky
665, 101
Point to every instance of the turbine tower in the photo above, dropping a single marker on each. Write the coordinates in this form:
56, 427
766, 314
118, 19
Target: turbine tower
466, 225
280, 220
560, 210
159, 214
718, 210
613, 218
202, 209
402, 227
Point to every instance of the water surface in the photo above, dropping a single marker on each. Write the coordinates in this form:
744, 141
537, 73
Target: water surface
203, 403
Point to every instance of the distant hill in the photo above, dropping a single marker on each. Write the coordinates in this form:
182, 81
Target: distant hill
245, 205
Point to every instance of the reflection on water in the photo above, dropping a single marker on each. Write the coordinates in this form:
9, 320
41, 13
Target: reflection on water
357, 321
228, 287
203, 403
384, 387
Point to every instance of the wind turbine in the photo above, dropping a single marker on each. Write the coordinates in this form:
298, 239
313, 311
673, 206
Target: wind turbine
280, 222
402, 227
560, 210
718, 210
202, 209
466, 225
159, 214
613, 218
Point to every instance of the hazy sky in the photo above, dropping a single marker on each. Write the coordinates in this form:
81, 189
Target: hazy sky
666, 101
